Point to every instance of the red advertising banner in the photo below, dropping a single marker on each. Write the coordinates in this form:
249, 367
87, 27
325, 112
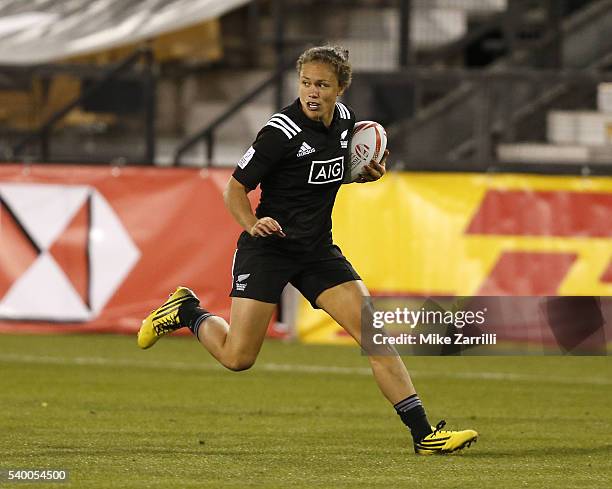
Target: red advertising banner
96, 248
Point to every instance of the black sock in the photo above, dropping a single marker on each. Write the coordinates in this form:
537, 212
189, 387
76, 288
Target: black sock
411, 411
192, 316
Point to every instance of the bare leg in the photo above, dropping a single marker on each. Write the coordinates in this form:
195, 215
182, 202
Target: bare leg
237, 346
343, 303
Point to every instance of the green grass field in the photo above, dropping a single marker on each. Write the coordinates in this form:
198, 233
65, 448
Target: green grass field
303, 417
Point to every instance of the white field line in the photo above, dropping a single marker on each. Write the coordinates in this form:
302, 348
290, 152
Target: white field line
293, 368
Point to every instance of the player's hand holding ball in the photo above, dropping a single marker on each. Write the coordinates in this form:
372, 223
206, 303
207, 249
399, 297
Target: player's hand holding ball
374, 171
368, 152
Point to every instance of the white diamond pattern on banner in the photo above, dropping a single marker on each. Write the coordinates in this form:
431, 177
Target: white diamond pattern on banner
44, 210
112, 251
44, 291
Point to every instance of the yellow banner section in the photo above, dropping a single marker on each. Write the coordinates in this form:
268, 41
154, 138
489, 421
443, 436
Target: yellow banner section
465, 234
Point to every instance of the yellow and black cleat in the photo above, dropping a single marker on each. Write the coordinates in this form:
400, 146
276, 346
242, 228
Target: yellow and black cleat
441, 441
164, 319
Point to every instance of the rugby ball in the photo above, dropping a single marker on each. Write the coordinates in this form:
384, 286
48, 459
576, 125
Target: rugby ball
368, 143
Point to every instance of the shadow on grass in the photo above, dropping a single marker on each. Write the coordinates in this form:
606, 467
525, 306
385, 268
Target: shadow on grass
538, 452
141, 453
479, 451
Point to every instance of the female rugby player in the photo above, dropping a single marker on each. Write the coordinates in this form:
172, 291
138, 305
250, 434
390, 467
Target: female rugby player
300, 159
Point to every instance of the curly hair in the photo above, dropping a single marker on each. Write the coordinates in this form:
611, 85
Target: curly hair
335, 56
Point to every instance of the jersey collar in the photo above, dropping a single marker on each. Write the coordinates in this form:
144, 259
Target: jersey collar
316, 125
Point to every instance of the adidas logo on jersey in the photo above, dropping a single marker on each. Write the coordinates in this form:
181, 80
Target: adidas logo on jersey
305, 149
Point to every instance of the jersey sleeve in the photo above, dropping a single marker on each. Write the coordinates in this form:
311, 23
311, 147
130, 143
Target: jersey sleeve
353, 119
347, 163
267, 150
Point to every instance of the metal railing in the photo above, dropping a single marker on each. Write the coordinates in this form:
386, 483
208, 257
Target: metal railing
42, 134
207, 133
491, 119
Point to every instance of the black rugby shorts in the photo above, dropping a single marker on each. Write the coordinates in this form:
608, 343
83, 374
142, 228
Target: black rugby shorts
261, 273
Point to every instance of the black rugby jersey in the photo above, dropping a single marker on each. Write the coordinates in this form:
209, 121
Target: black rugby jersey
300, 165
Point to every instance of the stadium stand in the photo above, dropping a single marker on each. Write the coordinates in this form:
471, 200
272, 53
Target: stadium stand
516, 108
520, 72
121, 123
572, 135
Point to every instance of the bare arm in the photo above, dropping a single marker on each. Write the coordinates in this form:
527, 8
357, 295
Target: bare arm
237, 202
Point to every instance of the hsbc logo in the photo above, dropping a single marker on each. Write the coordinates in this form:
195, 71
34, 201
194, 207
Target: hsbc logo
326, 171
63, 252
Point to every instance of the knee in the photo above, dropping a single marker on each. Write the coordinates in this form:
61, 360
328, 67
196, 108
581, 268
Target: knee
239, 364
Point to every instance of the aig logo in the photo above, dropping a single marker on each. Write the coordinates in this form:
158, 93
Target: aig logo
326, 171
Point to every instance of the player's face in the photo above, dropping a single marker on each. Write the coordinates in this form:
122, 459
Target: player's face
318, 91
